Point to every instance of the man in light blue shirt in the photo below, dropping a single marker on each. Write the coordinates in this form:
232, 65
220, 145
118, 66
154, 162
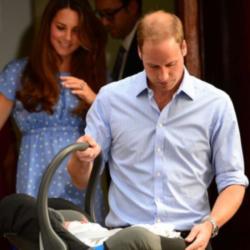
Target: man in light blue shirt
165, 135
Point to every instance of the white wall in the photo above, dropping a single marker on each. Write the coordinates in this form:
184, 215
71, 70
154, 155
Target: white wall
15, 19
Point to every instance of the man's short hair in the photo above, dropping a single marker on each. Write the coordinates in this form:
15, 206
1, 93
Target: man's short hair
159, 25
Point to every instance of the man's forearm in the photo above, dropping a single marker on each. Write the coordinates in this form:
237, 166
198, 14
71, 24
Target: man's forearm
79, 171
227, 204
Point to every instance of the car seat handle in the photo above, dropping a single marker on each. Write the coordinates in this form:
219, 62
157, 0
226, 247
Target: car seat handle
50, 239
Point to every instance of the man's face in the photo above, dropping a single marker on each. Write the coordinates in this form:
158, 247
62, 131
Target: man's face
164, 63
116, 18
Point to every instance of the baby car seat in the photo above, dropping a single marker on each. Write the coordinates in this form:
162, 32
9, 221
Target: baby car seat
49, 240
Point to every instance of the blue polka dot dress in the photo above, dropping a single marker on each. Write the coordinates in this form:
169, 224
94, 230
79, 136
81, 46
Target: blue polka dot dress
43, 136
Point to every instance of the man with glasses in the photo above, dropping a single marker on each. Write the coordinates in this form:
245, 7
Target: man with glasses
119, 17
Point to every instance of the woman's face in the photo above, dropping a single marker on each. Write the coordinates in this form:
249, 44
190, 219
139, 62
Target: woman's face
64, 32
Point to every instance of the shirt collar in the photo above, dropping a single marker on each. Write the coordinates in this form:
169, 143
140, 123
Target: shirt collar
141, 83
129, 38
186, 85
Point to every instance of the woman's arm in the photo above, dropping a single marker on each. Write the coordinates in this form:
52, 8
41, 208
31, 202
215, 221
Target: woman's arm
5, 109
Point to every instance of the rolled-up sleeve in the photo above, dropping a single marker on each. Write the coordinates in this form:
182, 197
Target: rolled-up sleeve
227, 150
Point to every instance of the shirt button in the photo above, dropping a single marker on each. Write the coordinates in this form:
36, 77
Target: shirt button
158, 150
158, 220
158, 174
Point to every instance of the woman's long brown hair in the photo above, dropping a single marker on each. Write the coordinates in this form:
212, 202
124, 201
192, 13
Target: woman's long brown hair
40, 89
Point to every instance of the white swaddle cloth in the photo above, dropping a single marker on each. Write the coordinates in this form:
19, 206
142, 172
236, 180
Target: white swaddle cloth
93, 234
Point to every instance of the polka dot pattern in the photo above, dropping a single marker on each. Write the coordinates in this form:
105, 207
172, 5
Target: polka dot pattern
43, 136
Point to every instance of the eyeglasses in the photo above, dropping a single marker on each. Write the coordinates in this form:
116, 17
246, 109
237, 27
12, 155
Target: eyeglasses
109, 15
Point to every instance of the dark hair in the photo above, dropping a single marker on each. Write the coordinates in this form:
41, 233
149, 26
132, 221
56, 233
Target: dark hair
139, 2
40, 89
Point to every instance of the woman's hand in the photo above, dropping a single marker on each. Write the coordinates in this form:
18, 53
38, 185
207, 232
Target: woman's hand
79, 87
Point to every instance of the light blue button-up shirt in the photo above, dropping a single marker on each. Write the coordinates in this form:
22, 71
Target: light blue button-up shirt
162, 162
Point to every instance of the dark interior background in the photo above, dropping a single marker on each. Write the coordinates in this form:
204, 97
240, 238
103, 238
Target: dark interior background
225, 58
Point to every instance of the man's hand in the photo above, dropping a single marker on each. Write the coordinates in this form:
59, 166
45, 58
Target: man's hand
91, 152
81, 162
199, 236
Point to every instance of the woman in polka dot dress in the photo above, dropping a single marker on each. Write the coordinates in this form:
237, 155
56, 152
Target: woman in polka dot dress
49, 92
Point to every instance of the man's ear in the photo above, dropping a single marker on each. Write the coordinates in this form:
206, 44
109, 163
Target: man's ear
184, 48
139, 52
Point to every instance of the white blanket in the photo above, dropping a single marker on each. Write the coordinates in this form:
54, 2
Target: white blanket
93, 234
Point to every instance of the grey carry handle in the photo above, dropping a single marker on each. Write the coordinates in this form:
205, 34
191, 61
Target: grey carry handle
50, 239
